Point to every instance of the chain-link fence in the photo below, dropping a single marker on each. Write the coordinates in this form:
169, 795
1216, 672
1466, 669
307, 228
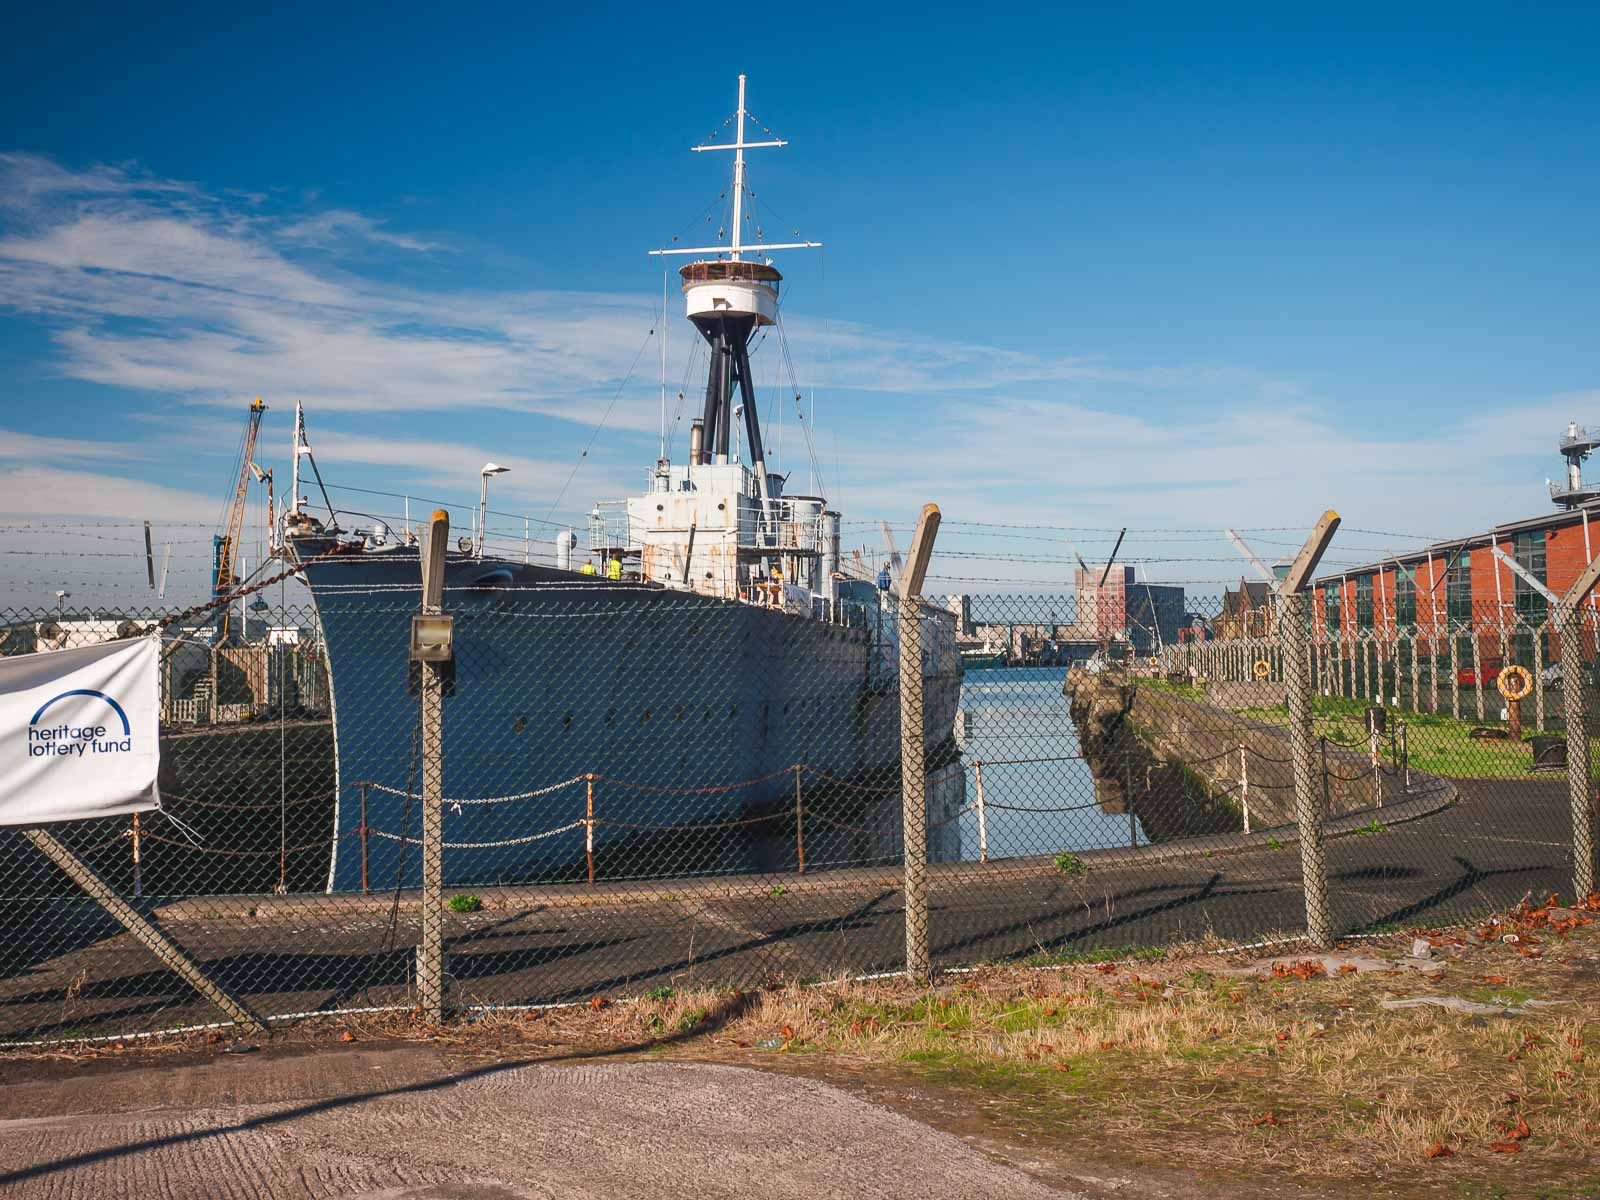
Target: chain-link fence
643, 787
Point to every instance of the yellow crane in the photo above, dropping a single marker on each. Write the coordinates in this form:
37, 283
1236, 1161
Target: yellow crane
225, 545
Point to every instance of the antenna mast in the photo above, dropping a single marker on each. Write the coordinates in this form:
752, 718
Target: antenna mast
738, 174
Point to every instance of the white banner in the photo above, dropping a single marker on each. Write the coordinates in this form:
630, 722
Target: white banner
79, 732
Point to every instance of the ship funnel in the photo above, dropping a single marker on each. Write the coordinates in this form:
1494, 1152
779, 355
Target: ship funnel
697, 441
565, 541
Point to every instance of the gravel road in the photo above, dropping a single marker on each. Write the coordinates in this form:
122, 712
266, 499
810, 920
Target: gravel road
372, 1126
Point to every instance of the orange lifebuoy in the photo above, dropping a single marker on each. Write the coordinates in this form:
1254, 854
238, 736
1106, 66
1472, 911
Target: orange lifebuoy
1514, 682
1262, 668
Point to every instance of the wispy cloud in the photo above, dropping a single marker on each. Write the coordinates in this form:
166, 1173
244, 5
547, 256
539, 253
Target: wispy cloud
335, 225
164, 288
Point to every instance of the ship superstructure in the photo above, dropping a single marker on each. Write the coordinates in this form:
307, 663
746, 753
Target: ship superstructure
714, 669
720, 524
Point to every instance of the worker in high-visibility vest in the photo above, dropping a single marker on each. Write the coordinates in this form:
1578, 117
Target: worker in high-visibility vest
587, 568
614, 569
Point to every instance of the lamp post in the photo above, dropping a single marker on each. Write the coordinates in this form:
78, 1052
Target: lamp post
61, 605
489, 469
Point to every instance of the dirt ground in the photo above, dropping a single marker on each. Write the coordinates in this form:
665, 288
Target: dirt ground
1190, 1075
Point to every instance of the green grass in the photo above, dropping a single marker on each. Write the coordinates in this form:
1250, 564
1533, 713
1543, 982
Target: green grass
1187, 691
1100, 954
1070, 864
1438, 744
463, 903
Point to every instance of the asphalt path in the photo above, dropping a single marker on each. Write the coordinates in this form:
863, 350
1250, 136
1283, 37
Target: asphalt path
1500, 841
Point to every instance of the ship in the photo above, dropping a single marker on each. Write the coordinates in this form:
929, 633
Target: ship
706, 691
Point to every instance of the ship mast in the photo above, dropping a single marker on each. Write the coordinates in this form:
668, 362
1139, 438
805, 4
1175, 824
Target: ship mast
728, 298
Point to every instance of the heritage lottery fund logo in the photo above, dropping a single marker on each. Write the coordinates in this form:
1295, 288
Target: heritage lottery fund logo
89, 732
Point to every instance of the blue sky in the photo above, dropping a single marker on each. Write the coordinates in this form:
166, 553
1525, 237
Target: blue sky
1172, 268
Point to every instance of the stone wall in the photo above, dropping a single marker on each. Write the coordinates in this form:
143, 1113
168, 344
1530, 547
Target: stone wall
1176, 762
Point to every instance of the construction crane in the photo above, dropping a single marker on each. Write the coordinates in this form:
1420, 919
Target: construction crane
225, 545
896, 563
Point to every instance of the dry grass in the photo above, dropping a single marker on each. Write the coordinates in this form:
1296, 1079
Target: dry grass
1299, 1074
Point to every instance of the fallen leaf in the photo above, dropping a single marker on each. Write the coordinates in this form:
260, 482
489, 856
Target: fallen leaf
1060, 1066
1107, 968
1440, 1150
1270, 1118
1283, 1037
1494, 978
597, 1003
347, 1036
1506, 1147
1520, 1131
855, 1028
1511, 1098
787, 1033
1347, 969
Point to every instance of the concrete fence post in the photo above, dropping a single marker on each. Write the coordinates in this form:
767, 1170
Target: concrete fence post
1574, 709
913, 748
1309, 807
1538, 676
430, 950
1455, 675
144, 930
1477, 674
1307, 794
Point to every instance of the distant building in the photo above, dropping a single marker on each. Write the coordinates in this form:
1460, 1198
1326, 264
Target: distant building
1145, 615
1246, 611
1457, 588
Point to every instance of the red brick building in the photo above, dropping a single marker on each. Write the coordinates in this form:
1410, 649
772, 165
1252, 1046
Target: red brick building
1459, 587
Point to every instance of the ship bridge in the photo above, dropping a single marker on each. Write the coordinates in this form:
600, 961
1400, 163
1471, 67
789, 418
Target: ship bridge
1576, 444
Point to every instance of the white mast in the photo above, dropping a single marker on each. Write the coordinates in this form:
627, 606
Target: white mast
738, 147
738, 174
663, 329
299, 442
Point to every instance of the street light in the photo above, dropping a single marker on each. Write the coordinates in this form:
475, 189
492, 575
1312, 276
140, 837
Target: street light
489, 469
61, 604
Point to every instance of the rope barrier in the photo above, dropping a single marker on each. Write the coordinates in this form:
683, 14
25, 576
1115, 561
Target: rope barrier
697, 791
521, 841
1012, 762
838, 824
212, 850
535, 794
711, 825
166, 796
860, 787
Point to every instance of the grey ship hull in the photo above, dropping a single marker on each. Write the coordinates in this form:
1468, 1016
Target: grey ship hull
682, 717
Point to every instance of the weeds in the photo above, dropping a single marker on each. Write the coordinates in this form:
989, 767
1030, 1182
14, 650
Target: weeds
1070, 864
